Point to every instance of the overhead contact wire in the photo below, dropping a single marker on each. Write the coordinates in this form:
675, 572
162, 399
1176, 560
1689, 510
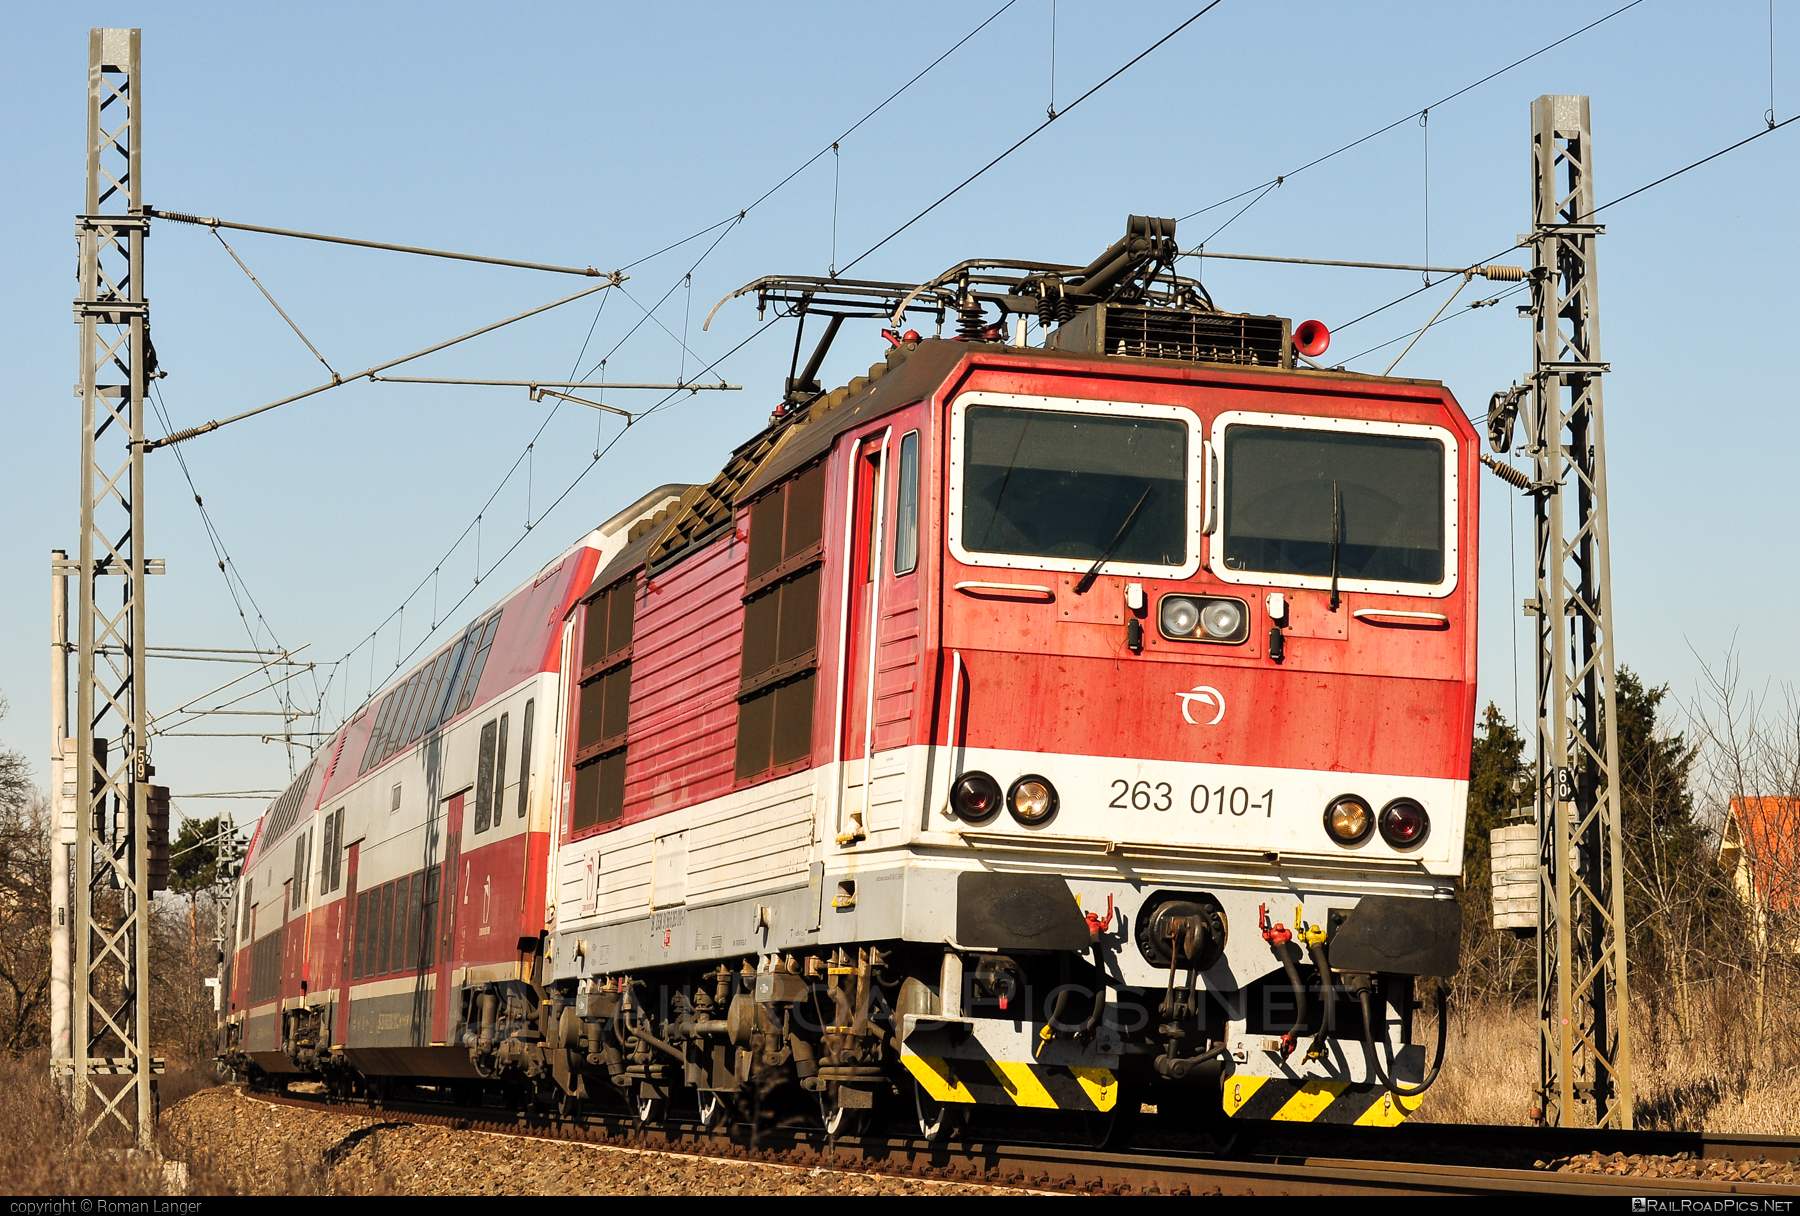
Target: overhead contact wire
673, 396
1415, 113
1667, 177
809, 161
1033, 133
728, 223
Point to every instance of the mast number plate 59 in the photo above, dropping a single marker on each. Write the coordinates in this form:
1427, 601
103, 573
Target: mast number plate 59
1201, 799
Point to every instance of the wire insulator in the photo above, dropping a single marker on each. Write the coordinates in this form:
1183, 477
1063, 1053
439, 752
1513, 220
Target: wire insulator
971, 326
1507, 473
183, 218
1503, 274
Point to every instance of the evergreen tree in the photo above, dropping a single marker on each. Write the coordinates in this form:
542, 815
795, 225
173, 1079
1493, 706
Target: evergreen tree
1499, 780
194, 856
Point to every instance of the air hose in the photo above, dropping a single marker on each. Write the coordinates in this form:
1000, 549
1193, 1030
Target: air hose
1327, 990
1443, 1036
1282, 946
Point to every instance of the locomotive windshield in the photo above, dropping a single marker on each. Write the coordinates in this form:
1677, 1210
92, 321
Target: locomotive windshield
1042, 483
1387, 523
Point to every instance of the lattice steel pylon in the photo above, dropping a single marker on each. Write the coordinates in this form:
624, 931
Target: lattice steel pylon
1584, 1000
109, 1038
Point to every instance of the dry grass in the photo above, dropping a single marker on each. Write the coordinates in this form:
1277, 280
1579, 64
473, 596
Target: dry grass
1706, 1080
43, 1154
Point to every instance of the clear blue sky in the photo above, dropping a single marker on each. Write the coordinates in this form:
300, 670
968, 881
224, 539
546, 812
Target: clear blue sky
598, 134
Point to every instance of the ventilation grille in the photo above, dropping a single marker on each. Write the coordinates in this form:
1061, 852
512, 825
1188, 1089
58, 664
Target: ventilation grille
1170, 333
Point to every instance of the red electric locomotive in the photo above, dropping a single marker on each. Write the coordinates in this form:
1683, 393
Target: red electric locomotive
1079, 726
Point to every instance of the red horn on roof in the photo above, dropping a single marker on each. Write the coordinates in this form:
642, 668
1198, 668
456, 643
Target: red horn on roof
1311, 338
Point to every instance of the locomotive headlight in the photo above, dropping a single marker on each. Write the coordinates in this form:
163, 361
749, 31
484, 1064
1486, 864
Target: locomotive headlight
1203, 619
1179, 616
975, 798
1032, 800
1349, 820
1404, 823
1222, 619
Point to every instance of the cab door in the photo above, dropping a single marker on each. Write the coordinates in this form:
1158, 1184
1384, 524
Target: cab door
885, 628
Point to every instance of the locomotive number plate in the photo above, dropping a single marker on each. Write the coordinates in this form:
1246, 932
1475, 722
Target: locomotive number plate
1200, 799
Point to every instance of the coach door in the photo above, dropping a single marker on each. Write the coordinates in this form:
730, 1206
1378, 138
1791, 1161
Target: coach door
351, 928
446, 920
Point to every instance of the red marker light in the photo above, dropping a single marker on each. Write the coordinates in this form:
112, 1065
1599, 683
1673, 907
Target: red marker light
1404, 823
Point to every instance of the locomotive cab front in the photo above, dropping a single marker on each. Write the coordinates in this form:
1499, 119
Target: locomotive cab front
1208, 647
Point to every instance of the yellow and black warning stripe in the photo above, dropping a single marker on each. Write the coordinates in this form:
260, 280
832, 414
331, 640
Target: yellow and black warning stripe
991, 1082
1290, 1100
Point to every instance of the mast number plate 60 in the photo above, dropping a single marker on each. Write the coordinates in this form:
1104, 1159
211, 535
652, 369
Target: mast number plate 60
1201, 799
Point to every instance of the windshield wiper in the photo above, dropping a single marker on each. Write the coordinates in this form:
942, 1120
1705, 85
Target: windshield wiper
1087, 580
1337, 533
1005, 480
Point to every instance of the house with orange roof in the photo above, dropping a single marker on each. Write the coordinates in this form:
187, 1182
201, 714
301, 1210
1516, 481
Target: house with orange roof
1760, 847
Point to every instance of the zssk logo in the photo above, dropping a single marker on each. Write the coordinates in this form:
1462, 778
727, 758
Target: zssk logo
1203, 695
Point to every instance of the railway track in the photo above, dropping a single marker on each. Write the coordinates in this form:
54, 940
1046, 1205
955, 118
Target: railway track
1308, 1160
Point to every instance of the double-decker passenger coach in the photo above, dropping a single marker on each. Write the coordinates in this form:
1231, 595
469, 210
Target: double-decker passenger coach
1040, 731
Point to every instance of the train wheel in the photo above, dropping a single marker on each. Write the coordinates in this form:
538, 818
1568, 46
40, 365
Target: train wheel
938, 1121
649, 1110
715, 1110
841, 1120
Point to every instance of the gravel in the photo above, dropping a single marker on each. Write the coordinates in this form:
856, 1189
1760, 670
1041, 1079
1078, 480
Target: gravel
235, 1143
1714, 1169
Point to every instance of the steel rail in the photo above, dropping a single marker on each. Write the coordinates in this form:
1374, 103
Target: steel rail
1299, 1170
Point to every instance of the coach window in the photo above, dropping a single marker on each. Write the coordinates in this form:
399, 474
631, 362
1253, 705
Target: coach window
434, 693
781, 625
1359, 506
372, 753
490, 777
603, 708
484, 777
331, 852
906, 512
470, 676
500, 773
1052, 484
409, 701
385, 932
525, 759
297, 888
360, 935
